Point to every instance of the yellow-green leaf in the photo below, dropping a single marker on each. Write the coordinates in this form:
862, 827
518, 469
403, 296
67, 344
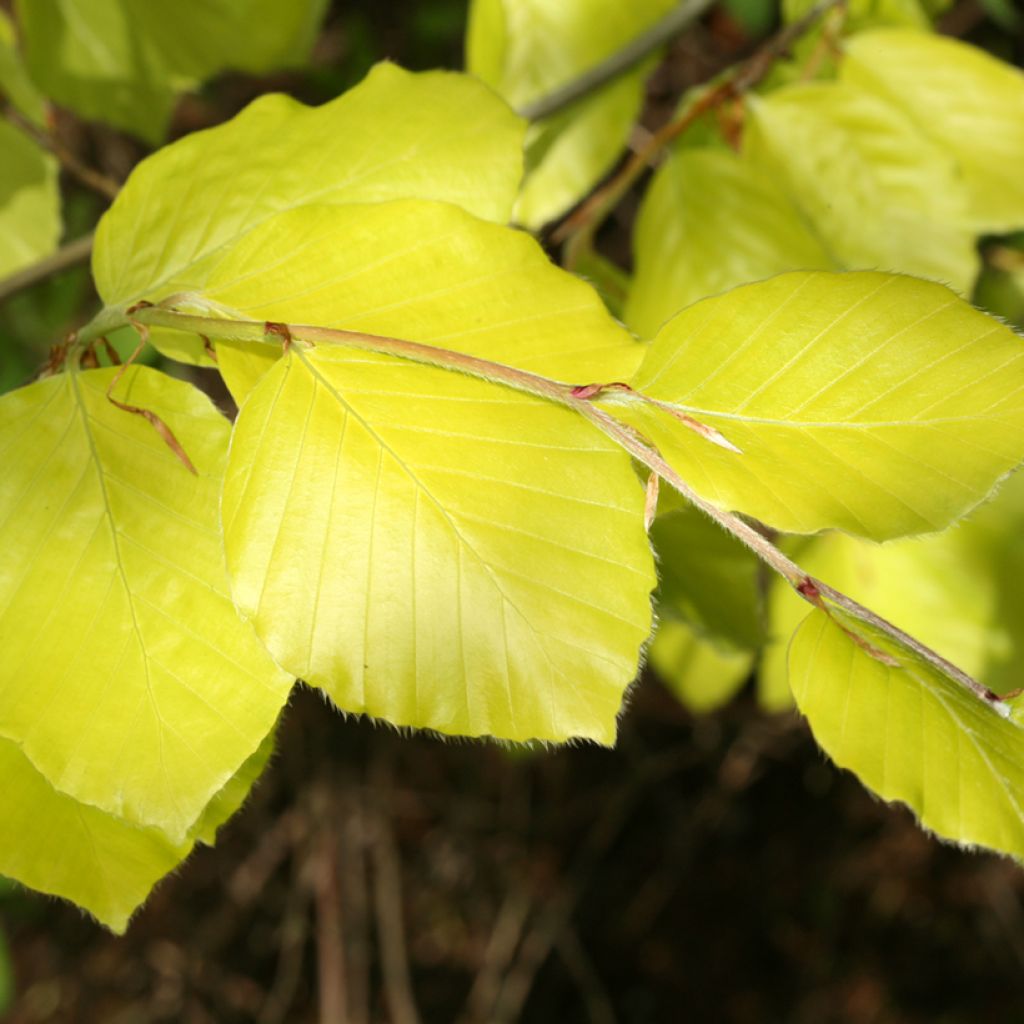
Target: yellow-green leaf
425, 272
125, 61
878, 404
880, 194
913, 733
707, 578
966, 101
394, 135
57, 845
708, 222
437, 550
29, 201
702, 674
526, 49
940, 589
128, 679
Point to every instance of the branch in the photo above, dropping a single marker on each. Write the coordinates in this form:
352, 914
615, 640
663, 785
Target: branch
617, 63
105, 186
581, 226
66, 256
575, 397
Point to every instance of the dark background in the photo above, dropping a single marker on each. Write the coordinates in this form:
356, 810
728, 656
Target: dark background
707, 869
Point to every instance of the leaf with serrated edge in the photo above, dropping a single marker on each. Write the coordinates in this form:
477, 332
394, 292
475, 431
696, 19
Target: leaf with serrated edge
102, 863
708, 222
394, 135
151, 692
874, 403
426, 272
911, 733
124, 62
437, 550
878, 193
965, 100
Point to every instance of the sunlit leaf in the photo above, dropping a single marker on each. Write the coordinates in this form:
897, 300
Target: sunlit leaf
526, 49
878, 404
426, 272
57, 845
880, 195
437, 550
125, 61
29, 201
940, 589
701, 674
152, 691
710, 221
966, 101
912, 733
392, 136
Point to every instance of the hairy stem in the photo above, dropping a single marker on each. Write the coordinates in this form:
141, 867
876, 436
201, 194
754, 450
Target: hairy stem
577, 397
619, 62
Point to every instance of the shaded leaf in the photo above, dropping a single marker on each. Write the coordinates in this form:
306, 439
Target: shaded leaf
964, 100
29, 201
701, 674
124, 62
879, 194
529, 48
710, 221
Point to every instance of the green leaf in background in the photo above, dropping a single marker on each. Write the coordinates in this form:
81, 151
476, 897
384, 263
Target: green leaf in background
422, 271
702, 675
912, 732
152, 692
966, 101
526, 49
877, 404
436, 550
392, 136
707, 578
877, 191
29, 201
863, 14
125, 61
708, 222
14, 81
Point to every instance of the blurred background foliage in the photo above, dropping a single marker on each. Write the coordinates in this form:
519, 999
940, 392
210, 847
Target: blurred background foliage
712, 867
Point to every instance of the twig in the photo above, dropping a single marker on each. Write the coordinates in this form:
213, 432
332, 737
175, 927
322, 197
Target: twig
66, 256
100, 183
387, 898
580, 227
622, 60
575, 958
294, 930
330, 946
354, 882
501, 948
